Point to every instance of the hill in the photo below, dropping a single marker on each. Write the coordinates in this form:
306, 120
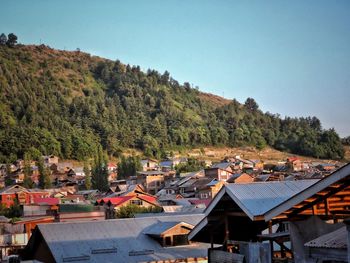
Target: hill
70, 103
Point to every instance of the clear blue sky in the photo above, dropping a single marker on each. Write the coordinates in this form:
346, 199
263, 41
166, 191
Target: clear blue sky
292, 57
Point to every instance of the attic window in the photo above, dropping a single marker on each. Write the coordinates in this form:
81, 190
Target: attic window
141, 252
176, 240
77, 258
168, 241
180, 240
136, 202
104, 250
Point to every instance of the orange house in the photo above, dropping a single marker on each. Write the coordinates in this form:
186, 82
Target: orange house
9, 194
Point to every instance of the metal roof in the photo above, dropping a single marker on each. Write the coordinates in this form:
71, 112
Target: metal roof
336, 239
258, 198
337, 176
222, 166
120, 240
159, 228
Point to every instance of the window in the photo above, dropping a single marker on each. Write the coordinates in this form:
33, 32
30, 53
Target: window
204, 195
136, 202
180, 240
167, 241
169, 191
9, 198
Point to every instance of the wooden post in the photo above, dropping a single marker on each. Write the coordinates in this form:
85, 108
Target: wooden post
271, 248
326, 206
270, 227
227, 231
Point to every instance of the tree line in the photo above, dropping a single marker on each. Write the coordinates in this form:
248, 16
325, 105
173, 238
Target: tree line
70, 104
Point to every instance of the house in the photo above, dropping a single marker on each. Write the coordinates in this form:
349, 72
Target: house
257, 164
323, 242
248, 209
89, 194
145, 239
112, 204
152, 181
112, 167
326, 167
9, 194
30, 223
62, 167
50, 159
295, 164
220, 171
244, 178
47, 206
149, 164
209, 190
79, 212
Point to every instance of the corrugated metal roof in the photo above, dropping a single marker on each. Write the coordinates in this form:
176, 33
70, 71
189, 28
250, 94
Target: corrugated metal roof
122, 236
158, 228
222, 166
258, 198
335, 239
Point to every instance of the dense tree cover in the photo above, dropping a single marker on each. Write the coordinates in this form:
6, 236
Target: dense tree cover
14, 211
99, 171
69, 104
129, 211
87, 173
44, 175
128, 166
192, 165
27, 170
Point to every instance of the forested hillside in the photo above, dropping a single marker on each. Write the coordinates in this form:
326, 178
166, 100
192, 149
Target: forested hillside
68, 103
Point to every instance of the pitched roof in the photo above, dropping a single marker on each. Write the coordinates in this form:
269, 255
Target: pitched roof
339, 177
122, 240
257, 198
149, 199
222, 166
13, 189
336, 239
115, 200
159, 228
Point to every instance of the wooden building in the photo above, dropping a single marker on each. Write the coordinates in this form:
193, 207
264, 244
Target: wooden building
242, 211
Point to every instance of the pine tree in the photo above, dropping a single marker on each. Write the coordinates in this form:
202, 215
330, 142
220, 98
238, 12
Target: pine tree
99, 171
27, 170
87, 172
11, 40
3, 39
44, 175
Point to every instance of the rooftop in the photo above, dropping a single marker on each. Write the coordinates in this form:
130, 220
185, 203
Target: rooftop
122, 239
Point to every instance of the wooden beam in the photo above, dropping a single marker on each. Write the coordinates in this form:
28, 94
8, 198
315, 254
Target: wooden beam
310, 205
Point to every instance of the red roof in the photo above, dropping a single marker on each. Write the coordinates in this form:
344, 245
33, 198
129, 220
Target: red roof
112, 165
147, 198
46, 200
293, 159
115, 200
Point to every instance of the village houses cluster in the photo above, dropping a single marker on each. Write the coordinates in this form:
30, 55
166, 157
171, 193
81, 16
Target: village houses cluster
157, 189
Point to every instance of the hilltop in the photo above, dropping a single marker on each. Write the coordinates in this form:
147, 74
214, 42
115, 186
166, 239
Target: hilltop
69, 103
